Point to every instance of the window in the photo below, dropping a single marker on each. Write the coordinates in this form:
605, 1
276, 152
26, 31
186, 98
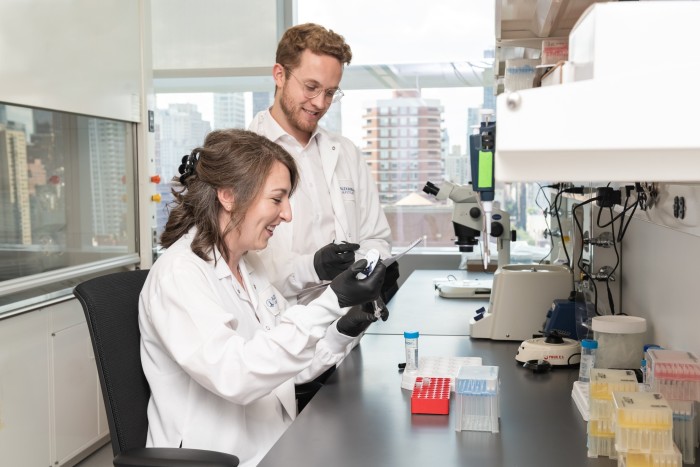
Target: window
67, 196
428, 125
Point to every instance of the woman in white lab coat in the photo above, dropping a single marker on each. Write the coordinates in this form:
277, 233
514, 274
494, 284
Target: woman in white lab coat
219, 346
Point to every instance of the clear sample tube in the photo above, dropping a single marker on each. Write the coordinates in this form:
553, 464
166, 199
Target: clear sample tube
411, 338
588, 350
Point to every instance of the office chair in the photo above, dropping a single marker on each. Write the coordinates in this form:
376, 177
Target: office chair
110, 303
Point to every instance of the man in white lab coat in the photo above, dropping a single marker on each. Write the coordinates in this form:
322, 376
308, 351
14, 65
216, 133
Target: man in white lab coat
336, 200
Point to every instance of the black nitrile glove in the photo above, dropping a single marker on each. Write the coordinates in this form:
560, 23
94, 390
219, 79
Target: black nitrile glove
377, 305
353, 291
333, 259
391, 284
356, 320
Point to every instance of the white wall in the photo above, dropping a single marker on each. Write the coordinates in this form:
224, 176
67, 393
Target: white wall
78, 56
660, 272
213, 36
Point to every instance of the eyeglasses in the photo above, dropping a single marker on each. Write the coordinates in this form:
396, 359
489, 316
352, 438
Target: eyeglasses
312, 90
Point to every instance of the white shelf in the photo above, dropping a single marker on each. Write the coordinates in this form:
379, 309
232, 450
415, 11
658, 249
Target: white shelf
521, 26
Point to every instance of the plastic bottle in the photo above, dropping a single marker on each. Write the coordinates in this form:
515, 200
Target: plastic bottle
588, 350
411, 339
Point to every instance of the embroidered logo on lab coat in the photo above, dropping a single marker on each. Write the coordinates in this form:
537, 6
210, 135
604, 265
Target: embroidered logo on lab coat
272, 301
347, 190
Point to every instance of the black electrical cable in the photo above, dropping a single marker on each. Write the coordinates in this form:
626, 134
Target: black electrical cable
623, 229
612, 271
586, 270
545, 211
557, 206
621, 215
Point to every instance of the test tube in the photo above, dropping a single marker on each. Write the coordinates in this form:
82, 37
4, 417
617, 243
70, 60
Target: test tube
411, 338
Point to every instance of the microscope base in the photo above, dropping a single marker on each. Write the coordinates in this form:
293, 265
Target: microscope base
521, 297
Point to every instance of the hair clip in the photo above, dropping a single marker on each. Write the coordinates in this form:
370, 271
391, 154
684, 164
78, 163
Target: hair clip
187, 167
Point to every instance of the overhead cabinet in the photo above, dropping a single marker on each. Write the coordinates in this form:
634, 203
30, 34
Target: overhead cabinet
628, 111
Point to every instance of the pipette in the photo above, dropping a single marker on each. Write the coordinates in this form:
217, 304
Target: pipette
372, 257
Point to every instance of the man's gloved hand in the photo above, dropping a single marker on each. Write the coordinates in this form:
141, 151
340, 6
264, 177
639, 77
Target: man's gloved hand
353, 291
333, 259
356, 320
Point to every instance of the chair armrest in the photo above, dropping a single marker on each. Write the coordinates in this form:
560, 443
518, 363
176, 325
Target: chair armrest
174, 457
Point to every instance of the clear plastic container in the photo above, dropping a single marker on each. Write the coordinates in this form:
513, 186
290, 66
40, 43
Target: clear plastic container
620, 341
670, 458
476, 390
588, 351
643, 422
601, 387
674, 373
411, 339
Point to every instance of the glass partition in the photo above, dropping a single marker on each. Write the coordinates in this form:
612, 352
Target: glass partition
67, 196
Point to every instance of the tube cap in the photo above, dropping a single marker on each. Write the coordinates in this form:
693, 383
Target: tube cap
589, 344
410, 334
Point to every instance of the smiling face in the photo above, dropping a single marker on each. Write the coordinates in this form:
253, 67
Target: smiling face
270, 208
297, 114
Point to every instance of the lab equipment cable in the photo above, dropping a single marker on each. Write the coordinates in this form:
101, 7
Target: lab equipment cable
546, 212
611, 302
585, 269
557, 207
641, 195
641, 199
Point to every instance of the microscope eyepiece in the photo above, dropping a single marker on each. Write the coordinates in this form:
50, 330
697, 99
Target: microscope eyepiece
431, 188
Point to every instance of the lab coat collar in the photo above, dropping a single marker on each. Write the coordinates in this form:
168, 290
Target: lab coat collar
222, 271
247, 271
274, 131
329, 147
270, 127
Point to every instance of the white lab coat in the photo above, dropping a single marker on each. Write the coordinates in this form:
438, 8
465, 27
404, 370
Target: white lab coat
359, 217
221, 364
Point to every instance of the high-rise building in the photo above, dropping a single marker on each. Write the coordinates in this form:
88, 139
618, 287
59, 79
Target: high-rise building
229, 110
179, 129
15, 213
404, 144
457, 169
261, 101
332, 120
107, 143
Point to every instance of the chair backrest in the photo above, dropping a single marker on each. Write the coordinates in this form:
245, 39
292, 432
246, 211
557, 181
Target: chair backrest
111, 306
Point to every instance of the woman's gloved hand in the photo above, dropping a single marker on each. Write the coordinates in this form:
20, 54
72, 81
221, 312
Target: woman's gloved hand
353, 291
356, 320
377, 306
333, 259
